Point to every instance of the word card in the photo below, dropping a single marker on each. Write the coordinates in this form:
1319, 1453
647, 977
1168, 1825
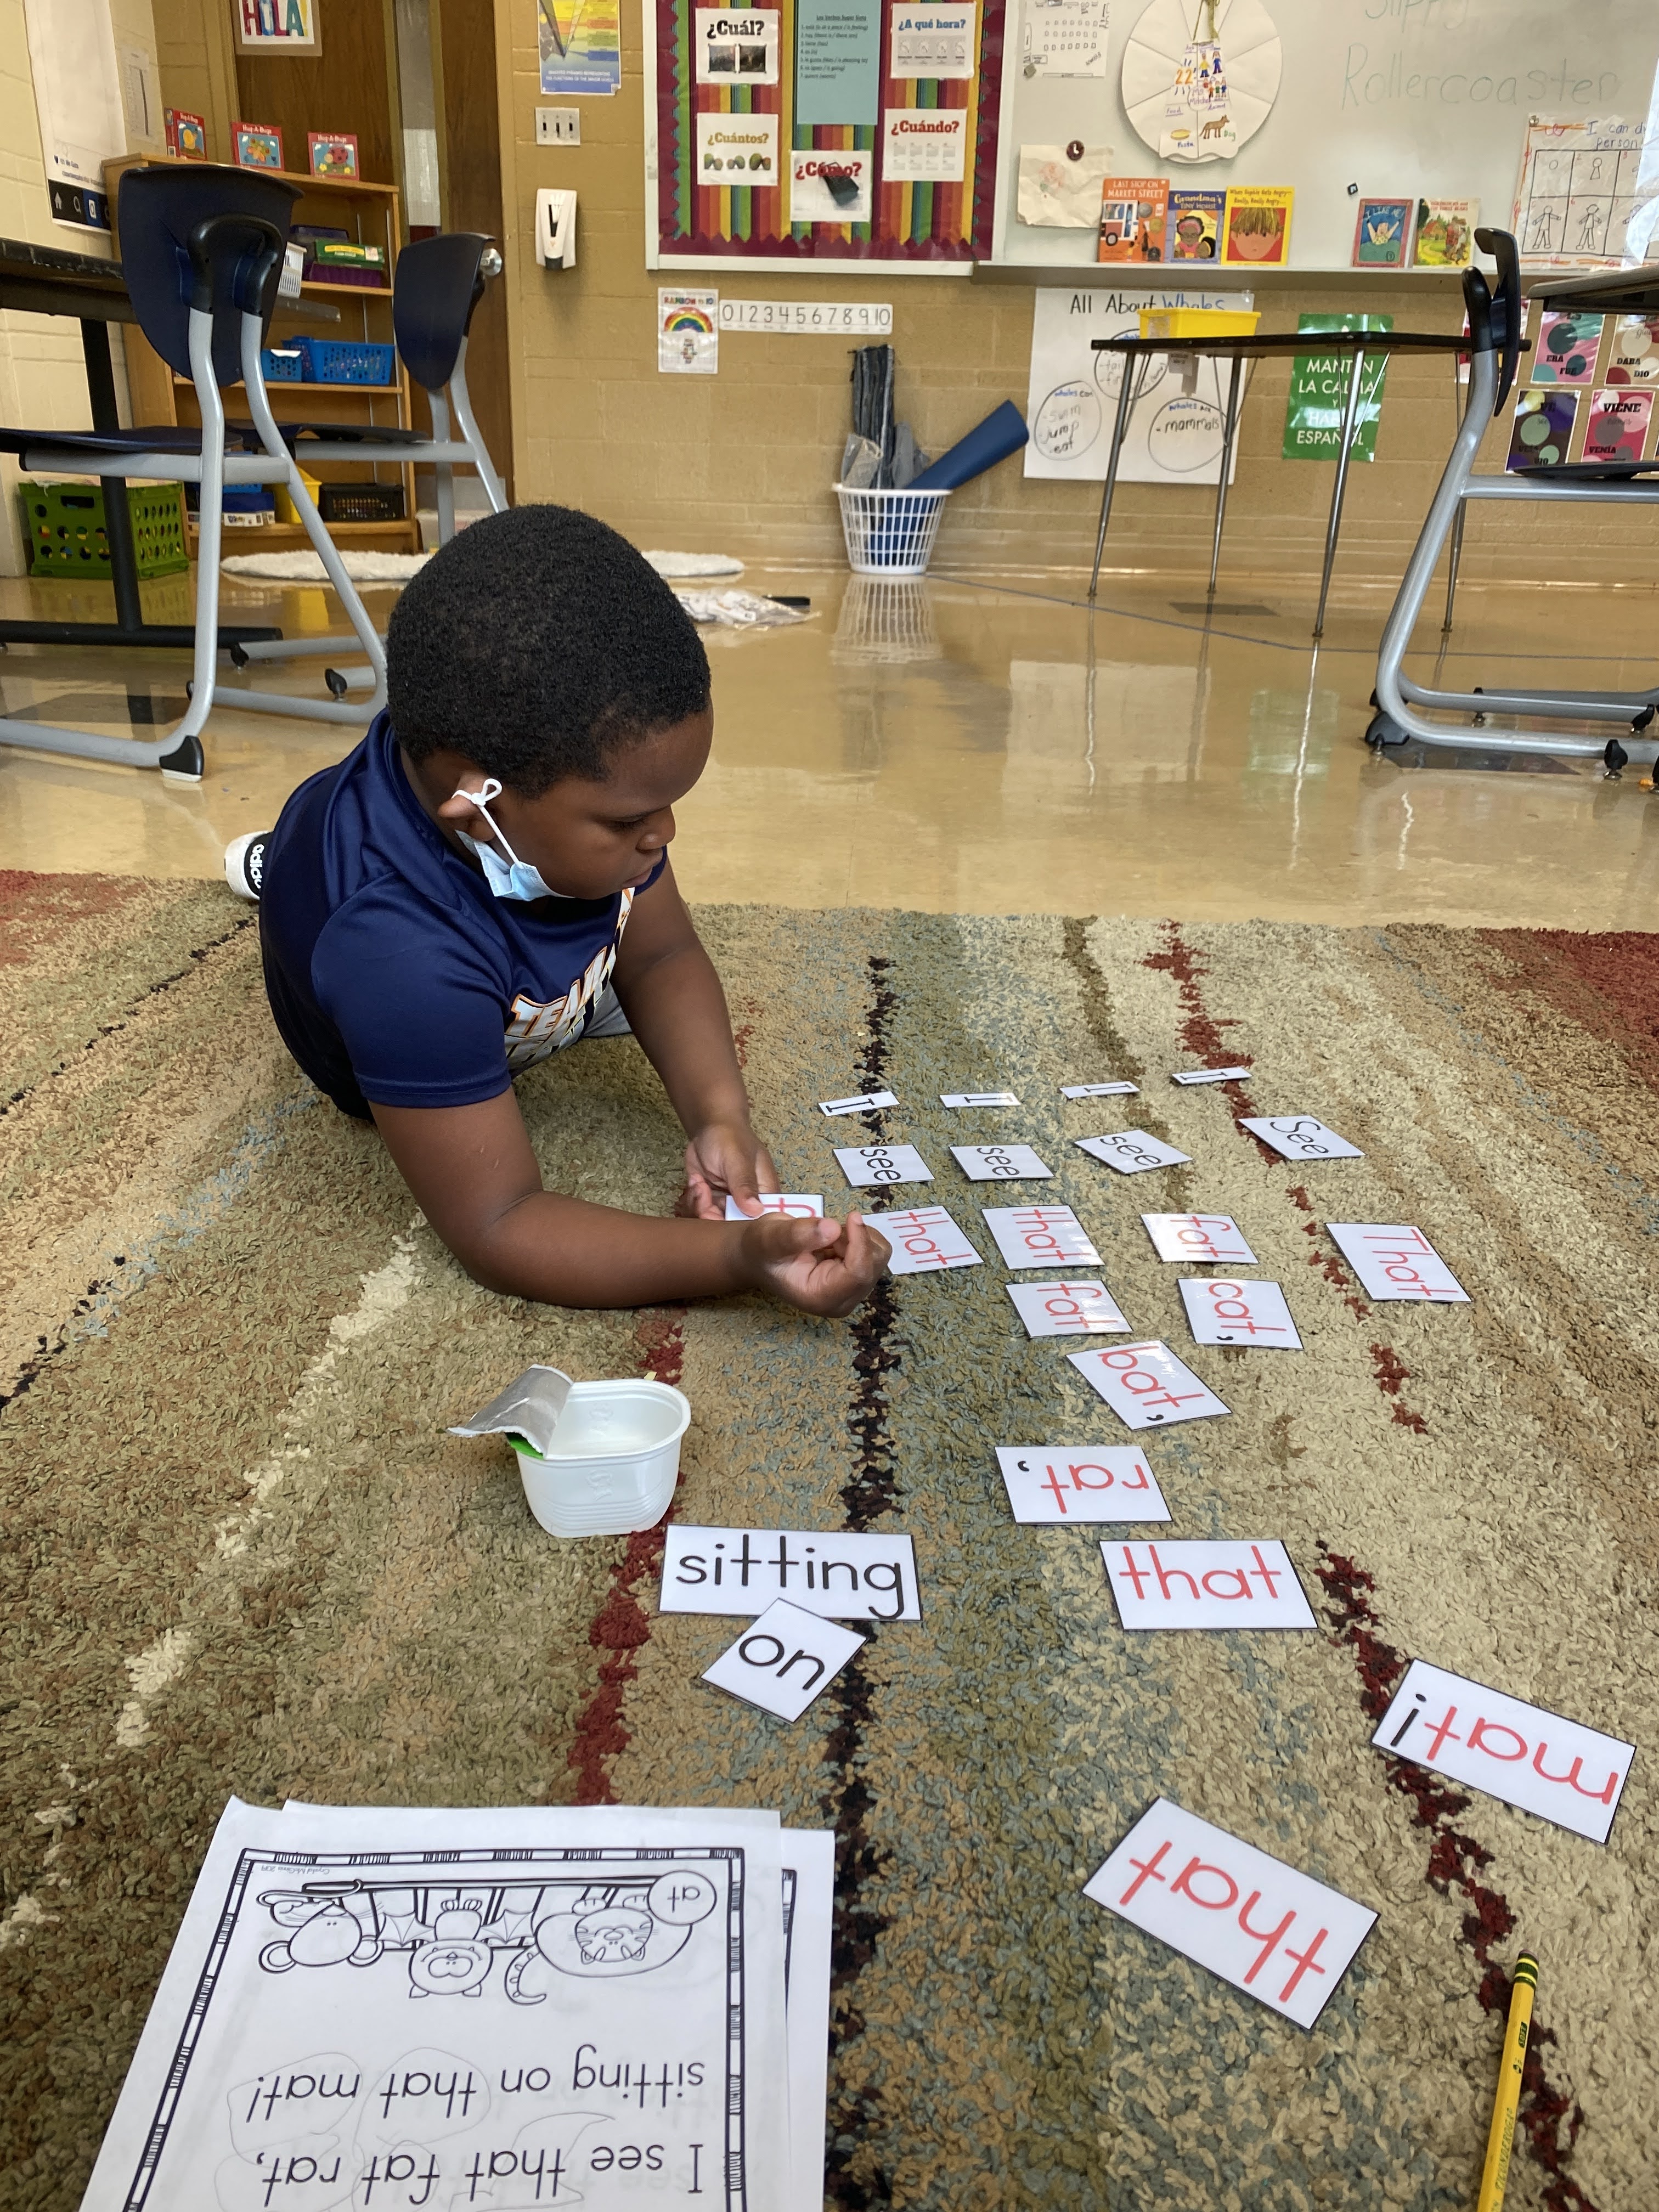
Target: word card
1211, 1075
1147, 1386
922, 1238
977, 1098
835, 1573
1040, 1237
759, 1666
1205, 1585
1132, 1151
1299, 1137
999, 1163
1394, 1261
869, 1102
1220, 1312
1528, 1756
1080, 1482
794, 1204
1068, 1309
1100, 1091
1199, 1239
1250, 1919
864, 1166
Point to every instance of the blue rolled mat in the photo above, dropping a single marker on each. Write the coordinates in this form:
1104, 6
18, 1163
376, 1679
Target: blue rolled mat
1000, 434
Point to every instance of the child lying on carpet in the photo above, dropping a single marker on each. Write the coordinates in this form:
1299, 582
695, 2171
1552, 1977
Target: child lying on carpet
485, 879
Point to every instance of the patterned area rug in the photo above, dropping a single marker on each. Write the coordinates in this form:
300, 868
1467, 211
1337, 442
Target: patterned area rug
242, 1554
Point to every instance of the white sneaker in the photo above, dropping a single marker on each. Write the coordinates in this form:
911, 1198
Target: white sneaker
244, 864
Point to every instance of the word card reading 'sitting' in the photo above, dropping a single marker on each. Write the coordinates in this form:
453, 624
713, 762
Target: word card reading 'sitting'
1556, 1768
1252, 1920
835, 1573
1211, 1075
783, 1660
977, 1098
867, 1101
1147, 1386
1080, 1482
1299, 1137
794, 1204
1132, 1151
1220, 1312
1068, 1309
1040, 1237
1394, 1261
999, 1163
924, 1238
865, 1165
1205, 1585
1199, 1239
1100, 1091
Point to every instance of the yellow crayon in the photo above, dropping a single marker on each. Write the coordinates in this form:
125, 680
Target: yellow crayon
1507, 2103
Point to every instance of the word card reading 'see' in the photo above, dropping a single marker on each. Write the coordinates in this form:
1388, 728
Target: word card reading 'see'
865, 1165
1256, 1922
977, 1098
1132, 1151
1395, 1262
1040, 1237
1000, 1163
1529, 1757
1220, 1312
1068, 1309
1299, 1137
833, 1572
793, 1205
1147, 1386
1199, 1239
867, 1101
783, 1660
1080, 1482
1100, 1091
1211, 1075
1205, 1585
924, 1238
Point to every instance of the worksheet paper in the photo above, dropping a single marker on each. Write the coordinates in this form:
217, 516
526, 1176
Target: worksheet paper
1299, 1137
1147, 1386
1223, 1312
1000, 1163
793, 1205
1256, 1922
1525, 1754
809, 1912
1211, 1075
1080, 1482
1132, 1151
977, 1098
923, 1238
1205, 1585
1177, 411
867, 1165
1068, 1309
782, 1660
867, 1101
1199, 1239
1100, 1091
1393, 1260
1040, 1237
833, 1572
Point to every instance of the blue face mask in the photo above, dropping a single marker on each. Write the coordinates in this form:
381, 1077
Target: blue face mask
512, 878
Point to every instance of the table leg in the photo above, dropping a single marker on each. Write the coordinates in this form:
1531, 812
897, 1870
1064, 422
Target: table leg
118, 519
1125, 397
1350, 418
1454, 551
1226, 465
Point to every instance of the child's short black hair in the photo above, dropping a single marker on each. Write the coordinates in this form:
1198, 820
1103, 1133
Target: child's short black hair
537, 641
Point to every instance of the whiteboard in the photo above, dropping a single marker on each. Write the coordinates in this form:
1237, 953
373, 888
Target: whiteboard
1428, 97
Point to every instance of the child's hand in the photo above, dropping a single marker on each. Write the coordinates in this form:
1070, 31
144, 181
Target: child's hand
724, 1159
821, 1267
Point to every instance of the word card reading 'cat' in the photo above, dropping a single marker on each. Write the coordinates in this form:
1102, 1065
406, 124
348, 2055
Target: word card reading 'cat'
783, 1660
1528, 1757
1299, 1137
1256, 1922
866, 1165
1100, 1091
1000, 1163
835, 1572
1205, 1585
1068, 1309
1040, 1237
924, 1238
977, 1098
1395, 1262
1199, 1239
793, 1205
1080, 1482
1220, 1312
1132, 1151
1211, 1075
1147, 1386
867, 1101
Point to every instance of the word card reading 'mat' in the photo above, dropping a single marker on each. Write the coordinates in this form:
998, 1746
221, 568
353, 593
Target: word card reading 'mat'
1557, 1768
1220, 1312
867, 1165
1211, 1075
1205, 1585
1299, 1137
794, 1204
1080, 1482
842, 1575
867, 1101
924, 1238
1132, 1151
1000, 1163
1147, 1386
1199, 1239
1100, 1091
977, 1098
1395, 1262
1252, 1920
1068, 1309
1040, 1237
783, 1662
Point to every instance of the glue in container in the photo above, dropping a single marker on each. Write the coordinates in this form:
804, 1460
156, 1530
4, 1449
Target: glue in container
597, 1458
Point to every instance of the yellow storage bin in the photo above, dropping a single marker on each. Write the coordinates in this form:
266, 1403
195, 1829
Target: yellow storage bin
286, 510
1197, 323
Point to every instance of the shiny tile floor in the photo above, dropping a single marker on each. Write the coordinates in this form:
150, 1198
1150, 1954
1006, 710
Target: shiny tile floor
989, 747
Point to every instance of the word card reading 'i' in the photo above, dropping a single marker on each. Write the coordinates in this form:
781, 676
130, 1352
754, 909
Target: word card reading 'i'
1528, 1757
835, 1573
1080, 1482
867, 1101
1132, 1151
1299, 1137
1100, 1090
783, 1660
865, 1165
1211, 1075
924, 1238
1256, 1922
1205, 1585
793, 1205
977, 1098
1220, 1312
1395, 1262
1068, 1309
1000, 1163
1040, 1237
1199, 1239
1147, 1386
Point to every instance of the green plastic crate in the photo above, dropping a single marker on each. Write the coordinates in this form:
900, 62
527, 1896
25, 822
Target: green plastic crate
63, 527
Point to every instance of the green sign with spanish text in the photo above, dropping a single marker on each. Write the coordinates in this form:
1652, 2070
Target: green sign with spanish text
1319, 393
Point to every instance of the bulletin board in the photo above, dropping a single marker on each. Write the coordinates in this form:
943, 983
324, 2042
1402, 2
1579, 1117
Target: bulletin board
822, 134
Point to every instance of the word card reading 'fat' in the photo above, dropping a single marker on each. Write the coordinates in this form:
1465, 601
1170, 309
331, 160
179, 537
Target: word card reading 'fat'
1040, 1237
867, 1101
1220, 1312
923, 1237
1199, 1239
1299, 1137
1528, 1757
1147, 1386
1080, 1482
865, 1165
1394, 1261
977, 1098
1132, 1151
1211, 1075
1252, 1920
1100, 1091
1205, 1585
783, 1660
793, 1205
1068, 1309
842, 1575
1000, 1163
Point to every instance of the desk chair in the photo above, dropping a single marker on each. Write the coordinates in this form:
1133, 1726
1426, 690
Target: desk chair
1403, 705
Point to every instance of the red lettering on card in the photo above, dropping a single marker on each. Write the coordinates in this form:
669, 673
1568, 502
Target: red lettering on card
1182, 1885
1268, 1942
1304, 1964
1483, 1728
1088, 1467
1241, 1580
1165, 1575
1053, 1485
1442, 1733
1269, 1575
1605, 1794
1147, 1867
1137, 1575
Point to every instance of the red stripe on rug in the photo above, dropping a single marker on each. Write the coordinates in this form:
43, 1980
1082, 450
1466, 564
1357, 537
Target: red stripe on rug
1607, 982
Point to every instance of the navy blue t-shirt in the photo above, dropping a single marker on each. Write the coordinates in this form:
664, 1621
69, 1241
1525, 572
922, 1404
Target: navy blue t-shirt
394, 972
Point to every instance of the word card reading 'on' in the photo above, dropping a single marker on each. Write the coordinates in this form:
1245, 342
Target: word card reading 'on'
1080, 1482
1147, 1386
794, 1204
1100, 1090
1394, 1261
1040, 1237
842, 1575
999, 1163
1211, 1075
1556, 1768
1132, 1151
1205, 1585
1250, 1919
866, 1165
923, 1236
1299, 1137
1199, 1238
867, 1101
1068, 1309
783, 1660
977, 1098
1220, 1312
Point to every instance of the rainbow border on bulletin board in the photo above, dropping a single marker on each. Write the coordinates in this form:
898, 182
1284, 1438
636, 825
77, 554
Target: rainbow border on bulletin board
913, 224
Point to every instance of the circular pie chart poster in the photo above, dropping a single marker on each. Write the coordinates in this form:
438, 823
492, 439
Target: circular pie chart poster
1196, 98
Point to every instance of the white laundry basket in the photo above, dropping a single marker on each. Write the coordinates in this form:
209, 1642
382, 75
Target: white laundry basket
889, 533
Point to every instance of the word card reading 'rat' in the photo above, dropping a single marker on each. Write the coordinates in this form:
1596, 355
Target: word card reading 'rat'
1080, 1482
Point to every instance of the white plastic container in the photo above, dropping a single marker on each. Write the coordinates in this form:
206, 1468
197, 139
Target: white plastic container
889, 533
613, 1459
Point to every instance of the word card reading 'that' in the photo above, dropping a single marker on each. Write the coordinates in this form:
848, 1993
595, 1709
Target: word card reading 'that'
1000, 1163
1080, 1482
1147, 1386
1199, 1239
1205, 1585
1220, 1312
793, 1205
783, 1660
923, 1238
1068, 1309
1395, 1262
1132, 1151
1299, 1137
1040, 1237
866, 1165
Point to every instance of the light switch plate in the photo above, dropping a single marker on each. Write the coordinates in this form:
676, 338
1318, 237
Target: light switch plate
558, 126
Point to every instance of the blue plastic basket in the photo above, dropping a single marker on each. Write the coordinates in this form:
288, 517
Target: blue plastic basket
347, 360
282, 364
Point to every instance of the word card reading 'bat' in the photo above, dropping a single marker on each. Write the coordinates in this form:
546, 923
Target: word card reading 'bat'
1100, 1091
865, 1165
835, 1572
1040, 1237
867, 1101
1199, 1239
1528, 1757
977, 1098
999, 1163
1205, 1585
924, 1238
1299, 1137
793, 1205
1080, 1482
1147, 1386
1256, 1922
1068, 1309
783, 1660
1132, 1151
1395, 1262
1211, 1075
1220, 1312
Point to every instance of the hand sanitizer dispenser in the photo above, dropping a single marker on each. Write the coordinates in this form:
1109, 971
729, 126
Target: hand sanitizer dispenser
555, 229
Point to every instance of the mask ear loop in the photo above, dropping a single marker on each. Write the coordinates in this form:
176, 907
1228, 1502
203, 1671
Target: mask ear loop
489, 789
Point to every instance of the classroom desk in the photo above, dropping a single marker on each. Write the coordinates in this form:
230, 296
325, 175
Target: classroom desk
1262, 347
1607, 292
